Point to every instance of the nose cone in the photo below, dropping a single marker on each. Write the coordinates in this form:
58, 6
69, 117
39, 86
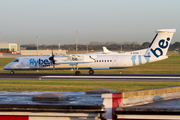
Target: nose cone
6, 67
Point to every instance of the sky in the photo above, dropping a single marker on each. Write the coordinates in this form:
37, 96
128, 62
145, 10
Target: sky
95, 20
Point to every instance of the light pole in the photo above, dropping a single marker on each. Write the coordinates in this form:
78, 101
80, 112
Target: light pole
37, 43
87, 48
121, 47
76, 40
59, 45
0, 37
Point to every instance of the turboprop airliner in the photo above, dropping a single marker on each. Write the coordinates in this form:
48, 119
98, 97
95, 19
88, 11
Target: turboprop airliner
103, 60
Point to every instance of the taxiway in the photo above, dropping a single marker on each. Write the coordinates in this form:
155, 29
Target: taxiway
69, 76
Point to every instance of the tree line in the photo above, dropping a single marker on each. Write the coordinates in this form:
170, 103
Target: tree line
98, 47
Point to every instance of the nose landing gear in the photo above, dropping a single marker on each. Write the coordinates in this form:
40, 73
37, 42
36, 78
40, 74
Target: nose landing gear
12, 72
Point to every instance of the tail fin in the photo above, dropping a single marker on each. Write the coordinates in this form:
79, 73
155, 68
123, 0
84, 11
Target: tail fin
161, 42
106, 50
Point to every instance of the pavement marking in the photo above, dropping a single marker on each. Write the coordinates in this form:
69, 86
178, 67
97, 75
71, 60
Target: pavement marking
111, 77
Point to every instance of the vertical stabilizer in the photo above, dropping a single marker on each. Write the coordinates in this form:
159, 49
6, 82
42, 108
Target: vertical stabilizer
161, 42
105, 50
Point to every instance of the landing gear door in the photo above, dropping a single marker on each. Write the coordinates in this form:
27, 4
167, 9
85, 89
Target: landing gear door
26, 62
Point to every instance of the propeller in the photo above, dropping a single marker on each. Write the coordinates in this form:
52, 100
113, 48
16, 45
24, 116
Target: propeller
52, 61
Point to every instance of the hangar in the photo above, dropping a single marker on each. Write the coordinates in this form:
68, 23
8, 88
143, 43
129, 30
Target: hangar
9, 47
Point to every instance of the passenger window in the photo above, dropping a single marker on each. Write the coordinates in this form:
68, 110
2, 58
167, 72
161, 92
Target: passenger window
102, 60
110, 60
99, 60
16, 60
107, 60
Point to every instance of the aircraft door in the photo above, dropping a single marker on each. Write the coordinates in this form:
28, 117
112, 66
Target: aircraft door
26, 62
115, 61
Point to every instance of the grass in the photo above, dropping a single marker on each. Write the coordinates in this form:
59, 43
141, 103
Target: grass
71, 85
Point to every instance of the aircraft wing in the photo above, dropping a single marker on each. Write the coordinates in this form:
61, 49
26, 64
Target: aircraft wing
73, 59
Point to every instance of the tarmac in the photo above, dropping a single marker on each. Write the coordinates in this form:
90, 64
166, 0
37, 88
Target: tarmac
80, 98
103, 77
25, 97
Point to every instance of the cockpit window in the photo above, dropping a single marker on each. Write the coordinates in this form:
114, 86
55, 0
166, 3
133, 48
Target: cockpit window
16, 60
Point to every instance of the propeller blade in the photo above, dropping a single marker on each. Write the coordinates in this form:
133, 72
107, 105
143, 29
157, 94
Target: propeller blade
52, 60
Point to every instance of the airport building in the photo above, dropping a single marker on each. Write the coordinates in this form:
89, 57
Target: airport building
15, 48
9, 47
43, 52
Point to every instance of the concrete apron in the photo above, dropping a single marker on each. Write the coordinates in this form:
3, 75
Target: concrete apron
114, 100
111, 102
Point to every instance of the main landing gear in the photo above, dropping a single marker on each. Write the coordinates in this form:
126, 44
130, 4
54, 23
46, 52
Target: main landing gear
77, 72
91, 71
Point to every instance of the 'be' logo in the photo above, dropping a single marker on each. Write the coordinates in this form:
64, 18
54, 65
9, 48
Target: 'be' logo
162, 44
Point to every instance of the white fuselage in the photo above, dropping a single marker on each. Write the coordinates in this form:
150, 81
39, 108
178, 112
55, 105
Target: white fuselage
102, 61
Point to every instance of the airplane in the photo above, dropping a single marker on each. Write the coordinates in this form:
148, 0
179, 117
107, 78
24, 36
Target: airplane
156, 51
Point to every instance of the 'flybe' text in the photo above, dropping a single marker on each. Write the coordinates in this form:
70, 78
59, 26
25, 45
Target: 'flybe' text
40, 62
162, 44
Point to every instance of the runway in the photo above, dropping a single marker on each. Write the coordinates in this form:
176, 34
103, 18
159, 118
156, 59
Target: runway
69, 76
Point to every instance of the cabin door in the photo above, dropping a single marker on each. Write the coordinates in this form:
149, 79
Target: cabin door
115, 61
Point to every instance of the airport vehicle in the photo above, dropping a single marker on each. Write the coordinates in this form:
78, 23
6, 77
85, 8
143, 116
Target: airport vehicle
102, 60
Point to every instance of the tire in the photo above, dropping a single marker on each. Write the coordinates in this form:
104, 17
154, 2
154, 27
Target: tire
12, 72
77, 73
91, 72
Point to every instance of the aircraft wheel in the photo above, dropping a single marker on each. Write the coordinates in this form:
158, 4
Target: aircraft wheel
12, 72
91, 71
77, 73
